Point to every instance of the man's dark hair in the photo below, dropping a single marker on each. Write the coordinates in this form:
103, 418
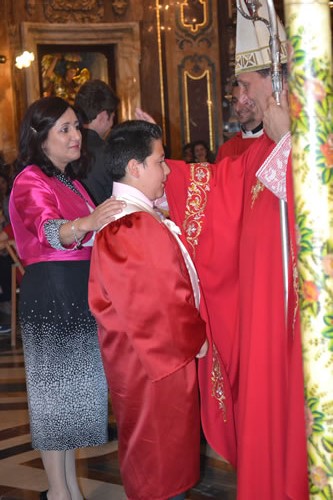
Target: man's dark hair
130, 140
267, 71
94, 97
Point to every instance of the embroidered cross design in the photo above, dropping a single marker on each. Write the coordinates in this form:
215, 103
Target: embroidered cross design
255, 192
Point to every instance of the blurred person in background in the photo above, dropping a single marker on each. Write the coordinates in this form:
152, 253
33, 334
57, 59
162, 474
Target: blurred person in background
96, 105
250, 119
201, 152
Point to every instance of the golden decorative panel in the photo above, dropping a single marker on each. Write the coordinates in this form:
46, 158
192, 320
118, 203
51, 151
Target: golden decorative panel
64, 11
194, 15
197, 74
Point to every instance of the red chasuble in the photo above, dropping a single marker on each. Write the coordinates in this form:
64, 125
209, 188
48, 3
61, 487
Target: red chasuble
150, 333
237, 251
270, 358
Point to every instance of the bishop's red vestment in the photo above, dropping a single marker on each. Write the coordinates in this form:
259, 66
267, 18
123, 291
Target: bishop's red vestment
150, 332
232, 224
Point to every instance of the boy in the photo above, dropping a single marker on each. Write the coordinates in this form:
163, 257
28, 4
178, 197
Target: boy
144, 294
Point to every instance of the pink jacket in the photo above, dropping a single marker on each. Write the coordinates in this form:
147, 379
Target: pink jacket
36, 199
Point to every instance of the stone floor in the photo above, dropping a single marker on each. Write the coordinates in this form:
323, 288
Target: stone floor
21, 471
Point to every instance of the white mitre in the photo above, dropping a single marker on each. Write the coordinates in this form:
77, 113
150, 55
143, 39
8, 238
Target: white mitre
252, 41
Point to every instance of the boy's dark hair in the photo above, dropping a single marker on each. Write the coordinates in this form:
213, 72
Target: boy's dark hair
94, 97
130, 140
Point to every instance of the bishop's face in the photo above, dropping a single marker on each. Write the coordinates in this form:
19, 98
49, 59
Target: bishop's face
256, 88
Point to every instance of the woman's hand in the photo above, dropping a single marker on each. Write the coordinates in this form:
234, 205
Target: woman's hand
75, 231
103, 214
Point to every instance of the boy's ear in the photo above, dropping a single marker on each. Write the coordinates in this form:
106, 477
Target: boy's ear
133, 168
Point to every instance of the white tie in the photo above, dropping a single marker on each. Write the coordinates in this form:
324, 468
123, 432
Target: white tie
174, 229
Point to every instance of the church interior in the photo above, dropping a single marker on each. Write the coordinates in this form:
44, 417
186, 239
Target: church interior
165, 57
173, 59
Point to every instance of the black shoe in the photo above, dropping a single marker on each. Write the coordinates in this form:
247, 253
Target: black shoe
43, 495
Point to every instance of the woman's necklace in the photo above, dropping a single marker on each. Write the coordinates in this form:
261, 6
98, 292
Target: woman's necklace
68, 182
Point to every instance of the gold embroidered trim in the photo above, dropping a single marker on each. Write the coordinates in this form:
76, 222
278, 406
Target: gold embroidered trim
200, 175
255, 191
218, 384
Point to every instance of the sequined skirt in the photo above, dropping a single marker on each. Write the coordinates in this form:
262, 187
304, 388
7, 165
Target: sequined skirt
66, 385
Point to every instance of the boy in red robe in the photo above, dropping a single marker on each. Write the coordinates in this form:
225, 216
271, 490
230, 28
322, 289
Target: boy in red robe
144, 294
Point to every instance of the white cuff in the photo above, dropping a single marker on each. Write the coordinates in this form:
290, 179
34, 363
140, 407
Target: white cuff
273, 171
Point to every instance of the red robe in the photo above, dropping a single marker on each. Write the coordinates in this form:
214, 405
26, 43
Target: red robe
234, 147
149, 332
219, 283
239, 262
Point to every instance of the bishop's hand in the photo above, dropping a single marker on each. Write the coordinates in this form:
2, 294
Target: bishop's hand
276, 118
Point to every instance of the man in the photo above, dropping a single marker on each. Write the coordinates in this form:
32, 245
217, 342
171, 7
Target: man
250, 120
251, 381
144, 294
96, 105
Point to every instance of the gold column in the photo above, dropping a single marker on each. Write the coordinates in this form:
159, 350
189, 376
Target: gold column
310, 87
158, 7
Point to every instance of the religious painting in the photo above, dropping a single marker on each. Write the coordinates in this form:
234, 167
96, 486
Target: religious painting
62, 72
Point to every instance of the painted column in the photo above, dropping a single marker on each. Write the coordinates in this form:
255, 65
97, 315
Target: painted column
310, 86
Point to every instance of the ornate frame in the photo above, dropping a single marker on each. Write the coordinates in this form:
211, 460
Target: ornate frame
125, 37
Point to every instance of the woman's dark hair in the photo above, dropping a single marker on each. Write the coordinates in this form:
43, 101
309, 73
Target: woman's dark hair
7, 180
40, 117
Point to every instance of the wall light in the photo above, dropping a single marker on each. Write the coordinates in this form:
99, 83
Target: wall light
24, 60
3, 59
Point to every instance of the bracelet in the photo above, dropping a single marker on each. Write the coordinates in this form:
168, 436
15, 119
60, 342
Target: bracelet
78, 241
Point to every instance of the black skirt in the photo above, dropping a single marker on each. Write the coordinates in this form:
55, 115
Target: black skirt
66, 385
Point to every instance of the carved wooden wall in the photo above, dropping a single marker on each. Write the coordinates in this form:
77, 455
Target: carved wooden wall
184, 60
190, 70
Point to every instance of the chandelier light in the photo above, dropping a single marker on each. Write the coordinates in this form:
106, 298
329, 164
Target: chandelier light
24, 60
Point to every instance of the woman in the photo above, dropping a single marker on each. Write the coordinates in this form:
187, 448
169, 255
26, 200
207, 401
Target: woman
201, 152
53, 220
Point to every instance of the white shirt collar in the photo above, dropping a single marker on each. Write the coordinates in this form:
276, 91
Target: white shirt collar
252, 134
121, 190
